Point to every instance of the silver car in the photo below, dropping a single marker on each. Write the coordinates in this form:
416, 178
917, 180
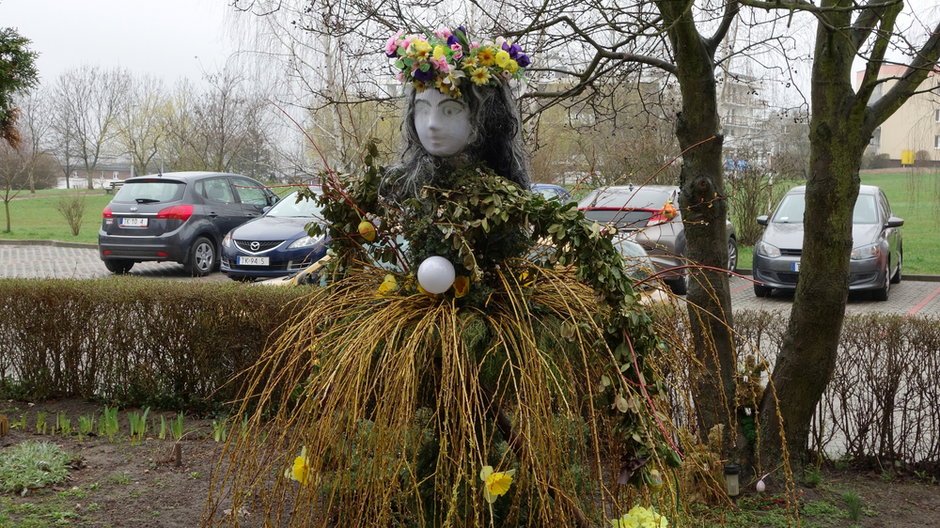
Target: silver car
650, 216
877, 252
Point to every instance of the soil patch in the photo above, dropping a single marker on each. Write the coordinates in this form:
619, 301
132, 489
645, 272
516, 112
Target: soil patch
122, 483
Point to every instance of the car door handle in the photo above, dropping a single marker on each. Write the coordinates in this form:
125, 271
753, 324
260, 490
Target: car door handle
212, 214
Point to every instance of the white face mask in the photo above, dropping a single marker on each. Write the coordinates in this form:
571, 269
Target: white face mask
442, 123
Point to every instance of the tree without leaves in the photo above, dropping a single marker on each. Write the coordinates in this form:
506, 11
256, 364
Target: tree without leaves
842, 123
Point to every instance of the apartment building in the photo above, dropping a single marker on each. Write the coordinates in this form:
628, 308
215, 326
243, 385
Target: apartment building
912, 135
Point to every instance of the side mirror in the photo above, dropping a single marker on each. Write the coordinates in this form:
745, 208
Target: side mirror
894, 222
762, 220
265, 209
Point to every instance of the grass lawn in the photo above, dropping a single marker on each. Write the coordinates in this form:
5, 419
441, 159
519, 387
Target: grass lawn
916, 199
34, 216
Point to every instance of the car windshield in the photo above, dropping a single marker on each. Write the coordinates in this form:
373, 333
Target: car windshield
792, 207
290, 207
150, 192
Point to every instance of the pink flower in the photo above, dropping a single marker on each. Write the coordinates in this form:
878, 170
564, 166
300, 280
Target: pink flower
441, 64
391, 46
474, 45
458, 51
443, 33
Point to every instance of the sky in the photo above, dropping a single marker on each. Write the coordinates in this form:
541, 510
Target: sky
167, 39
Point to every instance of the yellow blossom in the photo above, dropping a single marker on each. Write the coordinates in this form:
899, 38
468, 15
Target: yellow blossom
487, 56
300, 471
480, 76
503, 59
470, 63
439, 51
388, 285
495, 483
512, 66
640, 517
420, 48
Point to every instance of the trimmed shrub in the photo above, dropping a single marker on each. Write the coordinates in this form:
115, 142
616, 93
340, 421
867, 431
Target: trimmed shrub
134, 342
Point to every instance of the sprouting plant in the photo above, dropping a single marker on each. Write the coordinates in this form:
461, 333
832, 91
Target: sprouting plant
219, 430
162, 433
138, 424
41, 422
109, 425
853, 505
19, 424
176, 427
86, 424
63, 424
813, 477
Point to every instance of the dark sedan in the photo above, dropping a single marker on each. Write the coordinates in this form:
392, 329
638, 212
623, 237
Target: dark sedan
877, 252
276, 244
177, 216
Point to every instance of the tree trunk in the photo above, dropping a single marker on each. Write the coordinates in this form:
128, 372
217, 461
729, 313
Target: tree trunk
838, 137
704, 210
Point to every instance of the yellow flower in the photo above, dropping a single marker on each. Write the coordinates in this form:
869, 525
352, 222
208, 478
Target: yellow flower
301, 468
420, 48
487, 56
470, 63
503, 59
461, 286
388, 285
512, 67
439, 51
480, 76
495, 483
640, 517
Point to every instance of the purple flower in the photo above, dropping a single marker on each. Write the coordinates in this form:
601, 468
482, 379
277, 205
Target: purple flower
423, 76
462, 30
523, 60
451, 40
514, 50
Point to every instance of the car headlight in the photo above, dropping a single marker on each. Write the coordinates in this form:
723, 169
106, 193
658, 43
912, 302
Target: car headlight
867, 252
767, 250
304, 242
227, 240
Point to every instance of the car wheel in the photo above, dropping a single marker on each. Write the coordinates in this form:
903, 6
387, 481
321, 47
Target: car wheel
732, 254
680, 286
881, 294
897, 274
119, 266
761, 291
201, 257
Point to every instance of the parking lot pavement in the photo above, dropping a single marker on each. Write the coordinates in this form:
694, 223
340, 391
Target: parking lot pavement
921, 298
56, 262
910, 297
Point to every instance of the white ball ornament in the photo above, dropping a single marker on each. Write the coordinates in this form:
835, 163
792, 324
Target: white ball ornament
436, 274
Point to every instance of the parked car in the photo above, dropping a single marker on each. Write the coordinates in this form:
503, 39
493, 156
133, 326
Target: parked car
877, 252
276, 244
651, 216
551, 192
178, 217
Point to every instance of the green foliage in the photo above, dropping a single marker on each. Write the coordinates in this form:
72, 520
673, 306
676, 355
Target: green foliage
109, 425
134, 342
31, 465
17, 73
176, 427
853, 505
138, 424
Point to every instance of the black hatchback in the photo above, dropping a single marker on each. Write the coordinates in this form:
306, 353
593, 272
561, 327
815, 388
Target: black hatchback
177, 217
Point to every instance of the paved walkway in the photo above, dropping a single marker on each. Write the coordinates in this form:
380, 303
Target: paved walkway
911, 297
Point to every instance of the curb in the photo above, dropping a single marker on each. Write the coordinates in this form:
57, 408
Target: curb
55, 243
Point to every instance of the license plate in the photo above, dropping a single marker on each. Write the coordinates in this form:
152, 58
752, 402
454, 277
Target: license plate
253, 261
133, 222
795, 266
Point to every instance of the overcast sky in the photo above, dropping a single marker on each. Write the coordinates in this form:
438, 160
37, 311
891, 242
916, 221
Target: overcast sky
168, 39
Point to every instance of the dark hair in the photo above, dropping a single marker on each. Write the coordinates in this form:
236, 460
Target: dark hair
497, 142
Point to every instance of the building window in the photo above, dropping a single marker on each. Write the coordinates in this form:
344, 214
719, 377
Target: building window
936, 142
936, 116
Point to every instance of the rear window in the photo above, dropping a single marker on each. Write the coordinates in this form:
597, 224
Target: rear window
638, 198
150, 191
626, 218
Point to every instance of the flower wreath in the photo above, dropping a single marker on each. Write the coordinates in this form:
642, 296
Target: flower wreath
441, 59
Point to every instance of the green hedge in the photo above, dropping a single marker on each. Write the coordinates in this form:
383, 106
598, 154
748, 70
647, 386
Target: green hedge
133, 341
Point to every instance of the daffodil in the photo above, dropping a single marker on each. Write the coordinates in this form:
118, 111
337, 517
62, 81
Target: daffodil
388, 285
495, 483
300, 471
640, 517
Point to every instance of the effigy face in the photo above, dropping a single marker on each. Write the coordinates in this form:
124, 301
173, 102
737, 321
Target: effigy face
442, 123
